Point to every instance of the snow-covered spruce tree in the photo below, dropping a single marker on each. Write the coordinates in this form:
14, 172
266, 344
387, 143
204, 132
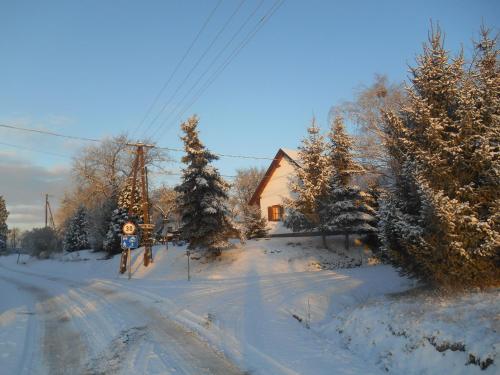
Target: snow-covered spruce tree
441, 222
310, 183
203, 196
4, 229
372, 198
125, 198
344, 208
112, 242
254, 224
76, 235
100, 218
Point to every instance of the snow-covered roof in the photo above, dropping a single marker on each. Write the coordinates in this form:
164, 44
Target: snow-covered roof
292, 154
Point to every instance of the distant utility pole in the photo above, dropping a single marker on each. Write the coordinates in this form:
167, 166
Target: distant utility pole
14, 232
46, 209
48, 213
140, 166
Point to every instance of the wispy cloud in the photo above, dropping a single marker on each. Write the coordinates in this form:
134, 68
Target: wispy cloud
24, 184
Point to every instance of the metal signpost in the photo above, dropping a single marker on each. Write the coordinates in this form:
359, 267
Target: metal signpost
188, 253
128, 241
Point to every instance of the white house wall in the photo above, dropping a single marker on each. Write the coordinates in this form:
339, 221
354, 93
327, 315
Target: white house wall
277, 188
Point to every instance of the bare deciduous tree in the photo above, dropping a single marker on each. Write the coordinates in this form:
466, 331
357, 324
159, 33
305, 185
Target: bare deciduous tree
243, 187
365, 112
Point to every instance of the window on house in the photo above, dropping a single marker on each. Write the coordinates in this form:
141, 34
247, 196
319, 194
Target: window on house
275, 213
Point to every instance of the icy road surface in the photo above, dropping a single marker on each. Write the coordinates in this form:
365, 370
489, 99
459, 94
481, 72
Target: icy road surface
77, 328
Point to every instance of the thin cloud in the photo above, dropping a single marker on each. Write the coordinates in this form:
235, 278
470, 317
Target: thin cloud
24, 184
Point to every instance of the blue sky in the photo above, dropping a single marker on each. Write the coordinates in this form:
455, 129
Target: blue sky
92, 68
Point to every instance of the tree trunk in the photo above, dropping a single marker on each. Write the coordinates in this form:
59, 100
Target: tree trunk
347, 241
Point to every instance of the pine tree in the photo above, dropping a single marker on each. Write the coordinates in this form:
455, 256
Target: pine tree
344, 208
100, 219
126, 201
4, 229
203, 196
441, 223
112, 242
121, 215
76, 236
310, 183
255, 224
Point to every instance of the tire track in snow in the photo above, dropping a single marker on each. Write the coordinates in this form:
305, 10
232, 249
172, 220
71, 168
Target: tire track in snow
26, 361
62, 346
175, 349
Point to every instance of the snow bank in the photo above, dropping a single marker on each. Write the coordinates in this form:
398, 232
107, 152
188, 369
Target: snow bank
423, 333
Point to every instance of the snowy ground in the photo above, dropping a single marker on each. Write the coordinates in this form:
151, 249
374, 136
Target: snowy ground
277, 306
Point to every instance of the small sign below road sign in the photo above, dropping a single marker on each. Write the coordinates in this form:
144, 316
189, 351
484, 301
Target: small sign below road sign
147, 226
130, 242
128, 228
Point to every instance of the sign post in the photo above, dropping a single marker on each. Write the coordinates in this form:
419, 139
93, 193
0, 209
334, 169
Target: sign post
129, 264
188, 253
128, 241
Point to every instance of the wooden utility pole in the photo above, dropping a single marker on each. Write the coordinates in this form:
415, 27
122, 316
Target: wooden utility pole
140, 166
48, 214
46, 209
147, 227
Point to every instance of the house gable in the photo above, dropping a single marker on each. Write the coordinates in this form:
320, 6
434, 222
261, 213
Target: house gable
275, 164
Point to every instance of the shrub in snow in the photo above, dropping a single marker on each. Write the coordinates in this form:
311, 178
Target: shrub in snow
441, 222
203, 196
41, 242
76, 236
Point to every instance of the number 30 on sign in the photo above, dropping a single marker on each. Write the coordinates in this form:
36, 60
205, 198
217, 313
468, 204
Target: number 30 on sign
128, 228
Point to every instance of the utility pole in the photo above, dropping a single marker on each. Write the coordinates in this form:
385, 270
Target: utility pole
46, 209
48, 213
14, 231
147, 227
140, 166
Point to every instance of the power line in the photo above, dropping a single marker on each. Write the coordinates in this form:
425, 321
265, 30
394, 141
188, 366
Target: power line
214, 60
181, 61
35, 150
44, 132
228, 60
180, 173
195, 65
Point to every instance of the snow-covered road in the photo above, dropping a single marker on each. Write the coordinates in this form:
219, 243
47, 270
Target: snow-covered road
264, 308
94, 329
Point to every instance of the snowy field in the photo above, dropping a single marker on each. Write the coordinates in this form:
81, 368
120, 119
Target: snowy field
276, 306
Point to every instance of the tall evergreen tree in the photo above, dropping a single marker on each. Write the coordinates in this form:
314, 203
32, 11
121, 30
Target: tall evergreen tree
112, 242
311, 182
203, 196
100, 217
441, 222
129, 202
4, 229
344, 208
76, 236
123, 213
